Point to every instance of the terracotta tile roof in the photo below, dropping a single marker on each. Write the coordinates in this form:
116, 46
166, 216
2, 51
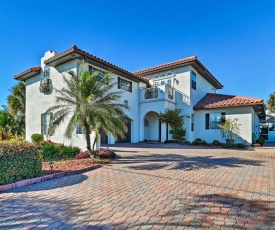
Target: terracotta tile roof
212, 101
76, 50
170, 64
31, 71
193, 61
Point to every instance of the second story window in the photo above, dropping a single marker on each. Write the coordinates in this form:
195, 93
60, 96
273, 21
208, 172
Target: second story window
47, 71
124, 84
194, 80
93, 70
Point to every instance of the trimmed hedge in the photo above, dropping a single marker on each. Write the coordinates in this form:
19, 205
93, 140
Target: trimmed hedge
37, 138
19, 161
55, 152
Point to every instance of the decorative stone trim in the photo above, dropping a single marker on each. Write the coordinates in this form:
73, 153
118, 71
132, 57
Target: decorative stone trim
45, 178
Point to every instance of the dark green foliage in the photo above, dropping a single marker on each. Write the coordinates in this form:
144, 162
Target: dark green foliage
261, 141
216, 143
240, 145
50, 152
199, 141
174, 118
178, 133
69, 151
37, 138
19, 161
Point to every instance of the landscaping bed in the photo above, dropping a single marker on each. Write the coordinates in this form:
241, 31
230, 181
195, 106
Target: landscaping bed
66, 165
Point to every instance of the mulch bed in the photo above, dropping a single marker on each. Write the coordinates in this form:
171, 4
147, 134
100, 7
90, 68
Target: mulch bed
67, 165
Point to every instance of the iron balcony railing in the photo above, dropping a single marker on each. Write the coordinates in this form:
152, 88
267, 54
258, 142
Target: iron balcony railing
151, 93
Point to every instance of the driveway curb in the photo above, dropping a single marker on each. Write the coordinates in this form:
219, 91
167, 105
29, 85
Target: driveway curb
45, 178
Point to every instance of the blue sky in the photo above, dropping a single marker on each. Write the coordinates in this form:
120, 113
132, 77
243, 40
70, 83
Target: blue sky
234, 39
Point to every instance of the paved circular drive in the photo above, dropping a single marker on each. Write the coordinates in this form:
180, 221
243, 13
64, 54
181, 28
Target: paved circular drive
160, 187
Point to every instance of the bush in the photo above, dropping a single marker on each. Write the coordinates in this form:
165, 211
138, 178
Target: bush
69, 151
240, 145
216, 143
83, 155
199, 141
261, 141
19, 161
37, 138
50, 152
106, 153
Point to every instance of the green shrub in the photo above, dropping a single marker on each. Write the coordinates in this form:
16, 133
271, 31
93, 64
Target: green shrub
199, 141
37, 138
240, 145
261, 141
19, 161
50, 152
69, 151
216, 143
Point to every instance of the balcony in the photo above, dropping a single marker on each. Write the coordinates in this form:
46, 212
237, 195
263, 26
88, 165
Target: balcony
160, 93
45, 85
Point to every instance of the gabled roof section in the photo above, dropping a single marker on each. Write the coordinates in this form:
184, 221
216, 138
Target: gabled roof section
193, 61
215, 101
27, 73
75, 53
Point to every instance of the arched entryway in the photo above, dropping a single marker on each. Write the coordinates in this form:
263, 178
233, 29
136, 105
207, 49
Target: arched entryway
152, 127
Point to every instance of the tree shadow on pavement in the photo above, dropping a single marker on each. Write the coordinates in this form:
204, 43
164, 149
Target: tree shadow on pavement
181, 162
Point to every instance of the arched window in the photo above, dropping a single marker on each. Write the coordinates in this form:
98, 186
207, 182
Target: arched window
162, 75
169, 74
156, 76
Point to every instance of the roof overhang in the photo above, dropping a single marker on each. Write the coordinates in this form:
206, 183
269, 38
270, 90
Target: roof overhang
31, 72
193, 61
76, 53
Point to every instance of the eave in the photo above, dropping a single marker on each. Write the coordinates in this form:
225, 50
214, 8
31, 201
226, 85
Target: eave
31, 72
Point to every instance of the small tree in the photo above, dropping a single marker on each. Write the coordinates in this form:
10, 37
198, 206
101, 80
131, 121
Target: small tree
230, 130
271, 103
174, 118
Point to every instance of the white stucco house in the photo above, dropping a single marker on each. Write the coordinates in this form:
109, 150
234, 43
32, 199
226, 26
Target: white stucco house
185, 84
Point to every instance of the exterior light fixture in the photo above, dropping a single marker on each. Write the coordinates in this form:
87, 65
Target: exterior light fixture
51, 165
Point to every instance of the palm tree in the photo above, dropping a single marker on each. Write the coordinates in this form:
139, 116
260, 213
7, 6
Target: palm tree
16, 107
90, 102
16, 100
271, 103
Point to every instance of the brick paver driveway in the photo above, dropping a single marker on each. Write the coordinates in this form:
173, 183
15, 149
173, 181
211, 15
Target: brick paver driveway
152, 188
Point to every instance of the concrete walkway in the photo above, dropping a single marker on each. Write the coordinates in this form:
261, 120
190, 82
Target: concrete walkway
161, 187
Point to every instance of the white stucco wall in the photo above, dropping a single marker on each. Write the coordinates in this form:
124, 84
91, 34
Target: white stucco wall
37, 103
245, 118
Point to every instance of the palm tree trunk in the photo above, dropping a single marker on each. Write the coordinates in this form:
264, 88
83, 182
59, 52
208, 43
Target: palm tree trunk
95, 141
87, 135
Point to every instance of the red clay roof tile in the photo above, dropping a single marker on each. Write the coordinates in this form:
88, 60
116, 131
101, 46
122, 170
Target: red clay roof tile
212, 101
36, 69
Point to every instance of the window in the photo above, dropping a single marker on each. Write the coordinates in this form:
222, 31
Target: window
162, 82
194, 80
156, 76
79, 129
192, 122
93, 70
156, 83
46, 71
124, 84
169, 74
213, 120
162, 75
169, 82
45, 123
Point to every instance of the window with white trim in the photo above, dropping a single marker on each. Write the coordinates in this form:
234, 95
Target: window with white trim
45, 123
79, 129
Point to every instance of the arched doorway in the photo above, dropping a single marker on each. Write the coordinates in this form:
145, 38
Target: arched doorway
152, 127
